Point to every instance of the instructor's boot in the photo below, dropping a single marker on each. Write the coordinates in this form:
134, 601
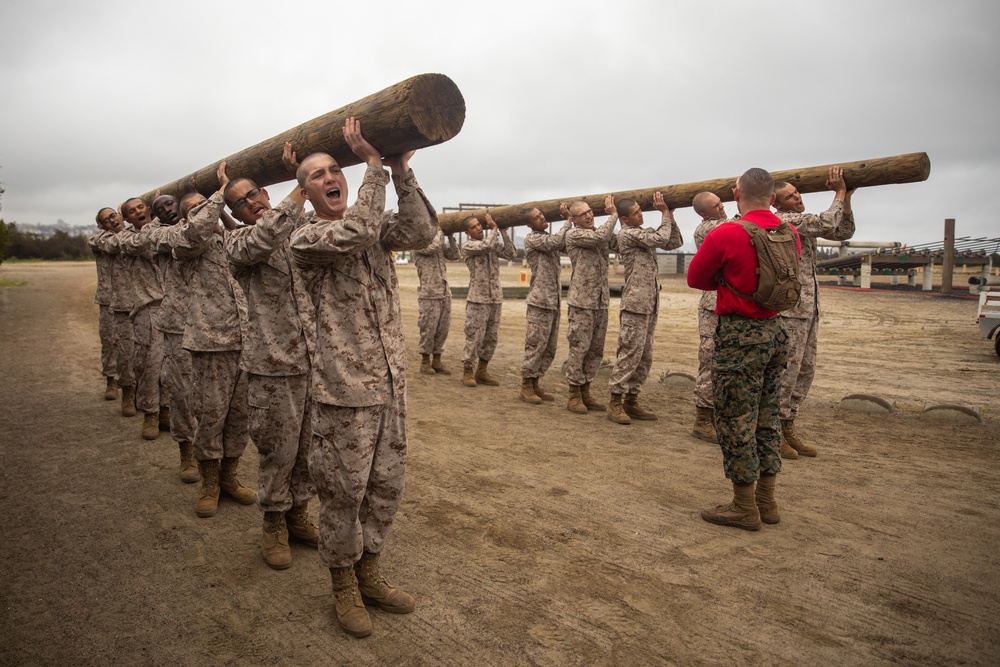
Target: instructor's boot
352, 616
438, 366
468, 376
274, 542
128, 401
189, 471
788, 435
589, 401
111, 390
483, 376
528, 394
575, 402
300, 528
704, 425
229, 483
539, 392
425, 364
151, 426
208, 495
633, 410
741, 513
376, 590
764, 495
616, 412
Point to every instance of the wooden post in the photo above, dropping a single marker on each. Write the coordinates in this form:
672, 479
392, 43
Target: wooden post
908, 168
948, 265
422, 111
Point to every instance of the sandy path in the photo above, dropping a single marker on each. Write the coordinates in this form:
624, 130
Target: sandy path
529, 535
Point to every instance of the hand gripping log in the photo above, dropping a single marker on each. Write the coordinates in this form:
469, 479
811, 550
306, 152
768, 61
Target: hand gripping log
424, 110
909, 168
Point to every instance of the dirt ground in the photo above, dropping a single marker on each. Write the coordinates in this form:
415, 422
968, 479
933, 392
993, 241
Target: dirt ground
529, 535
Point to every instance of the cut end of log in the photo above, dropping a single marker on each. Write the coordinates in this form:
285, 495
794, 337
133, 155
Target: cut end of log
437, 107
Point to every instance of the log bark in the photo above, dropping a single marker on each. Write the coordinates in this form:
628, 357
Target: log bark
422, 111
908, 168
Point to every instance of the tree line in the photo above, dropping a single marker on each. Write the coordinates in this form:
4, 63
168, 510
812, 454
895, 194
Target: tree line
17, 244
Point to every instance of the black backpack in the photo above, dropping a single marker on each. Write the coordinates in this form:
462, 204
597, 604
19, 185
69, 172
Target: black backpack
778, 286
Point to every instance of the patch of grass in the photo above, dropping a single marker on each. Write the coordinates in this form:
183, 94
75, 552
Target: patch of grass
6, 282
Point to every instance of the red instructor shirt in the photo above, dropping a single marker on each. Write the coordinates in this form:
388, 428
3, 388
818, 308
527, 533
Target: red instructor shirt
728, 248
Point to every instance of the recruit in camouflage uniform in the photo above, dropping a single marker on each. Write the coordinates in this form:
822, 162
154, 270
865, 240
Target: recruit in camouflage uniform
106, 319
121, 306
176, 375
639, 306
355, 336
213, 335
541, 334
710, 207
587, 301
276, 359
484, 303
434, 301
147, 289
802, 321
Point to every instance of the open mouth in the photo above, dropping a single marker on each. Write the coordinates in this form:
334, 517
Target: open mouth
333, 195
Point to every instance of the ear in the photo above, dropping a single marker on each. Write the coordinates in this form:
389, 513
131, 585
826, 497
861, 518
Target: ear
305, 195
773, 197
264, 192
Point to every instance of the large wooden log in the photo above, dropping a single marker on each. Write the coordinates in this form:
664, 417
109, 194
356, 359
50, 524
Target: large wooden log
909, 168
424, 110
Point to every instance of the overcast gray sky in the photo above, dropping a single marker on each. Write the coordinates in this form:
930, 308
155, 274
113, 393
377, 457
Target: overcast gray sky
106, 99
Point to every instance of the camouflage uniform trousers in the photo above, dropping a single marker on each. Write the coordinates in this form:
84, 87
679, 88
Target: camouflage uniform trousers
801, 364
148, 361
703, 394
482, 324
635, 352
176, 379
124, 349
585, 333
749, 361
357, 461
541, 336
281, 428
106, 330
219, 401
433, 320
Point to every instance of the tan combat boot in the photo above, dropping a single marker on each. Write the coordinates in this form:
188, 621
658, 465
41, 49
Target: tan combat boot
787, 453
165, 418
229, 483
208, 496
528, 392
128, 401
704, 425
376, 590
151, 426
351, 613
539, 392
589, 401
483, 376
189, 471
274, 542
575, 402
633, 410
300, 528
468, 377
425, 364
616, 412
111, 390
788, 435
741, 513
764, 495
438, 366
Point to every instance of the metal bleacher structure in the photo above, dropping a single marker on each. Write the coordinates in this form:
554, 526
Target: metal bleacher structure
861, 260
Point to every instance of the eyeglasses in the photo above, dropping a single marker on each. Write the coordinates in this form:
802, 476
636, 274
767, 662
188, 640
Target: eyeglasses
242, 201
112, 216
584, 214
